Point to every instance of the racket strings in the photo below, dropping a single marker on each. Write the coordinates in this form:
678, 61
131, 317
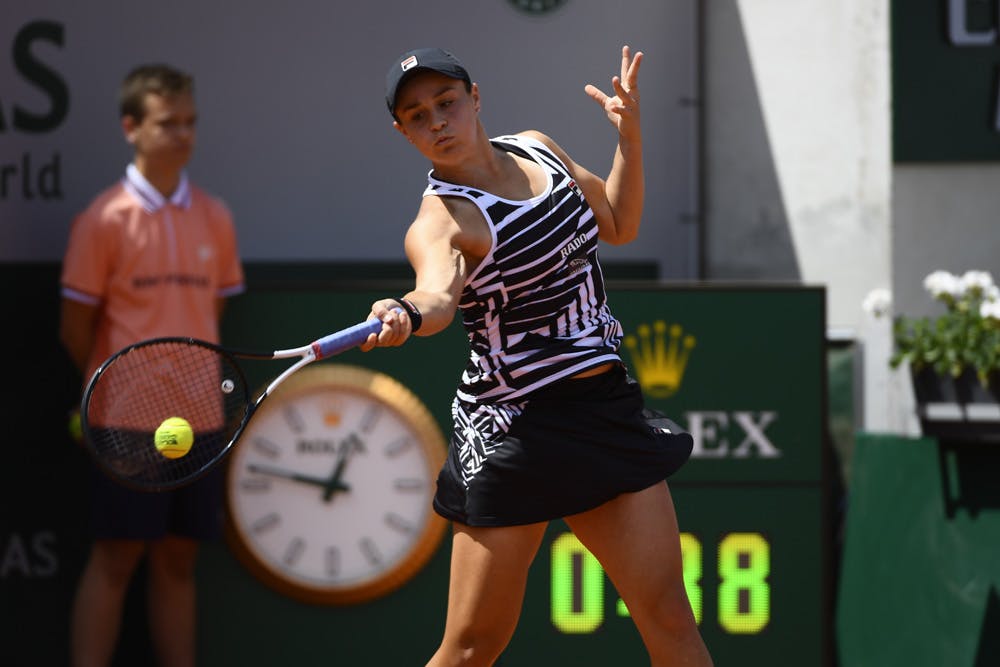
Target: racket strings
150, 383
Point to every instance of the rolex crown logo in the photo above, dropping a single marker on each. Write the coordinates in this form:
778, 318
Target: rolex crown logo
660, 361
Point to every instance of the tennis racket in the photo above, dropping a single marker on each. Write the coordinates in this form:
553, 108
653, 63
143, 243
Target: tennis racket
139, 387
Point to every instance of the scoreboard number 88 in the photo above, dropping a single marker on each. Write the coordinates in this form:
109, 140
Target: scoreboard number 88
743, 593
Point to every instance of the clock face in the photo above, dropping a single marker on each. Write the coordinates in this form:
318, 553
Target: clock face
329, 491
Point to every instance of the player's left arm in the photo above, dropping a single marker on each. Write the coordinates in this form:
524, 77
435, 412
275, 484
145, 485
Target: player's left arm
616, 201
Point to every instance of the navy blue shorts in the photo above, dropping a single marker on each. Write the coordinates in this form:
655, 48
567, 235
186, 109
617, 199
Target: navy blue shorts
194, 511
569, 447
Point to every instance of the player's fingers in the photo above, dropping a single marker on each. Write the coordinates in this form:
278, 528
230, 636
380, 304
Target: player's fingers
626, 60
369, 343
628, 92
627, 99
380, 311
631, 76
396, 327
595, 93
620, 89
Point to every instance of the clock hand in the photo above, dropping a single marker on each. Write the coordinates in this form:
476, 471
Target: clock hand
334, 484
325, 484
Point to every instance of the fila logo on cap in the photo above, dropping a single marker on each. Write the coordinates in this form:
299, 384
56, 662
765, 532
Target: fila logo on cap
409, 63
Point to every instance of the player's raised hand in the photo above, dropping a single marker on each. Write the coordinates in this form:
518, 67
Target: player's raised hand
622, 108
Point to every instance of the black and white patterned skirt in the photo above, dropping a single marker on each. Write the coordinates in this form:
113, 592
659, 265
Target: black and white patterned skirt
567, 448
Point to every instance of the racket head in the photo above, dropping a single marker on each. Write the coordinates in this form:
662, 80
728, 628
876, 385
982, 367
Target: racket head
142, 385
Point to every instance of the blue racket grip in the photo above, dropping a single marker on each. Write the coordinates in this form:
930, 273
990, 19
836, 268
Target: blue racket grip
345, 339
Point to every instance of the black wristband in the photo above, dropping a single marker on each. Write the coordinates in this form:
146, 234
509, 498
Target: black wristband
416, 319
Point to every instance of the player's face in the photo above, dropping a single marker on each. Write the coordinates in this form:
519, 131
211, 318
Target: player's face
166, 134
437, 114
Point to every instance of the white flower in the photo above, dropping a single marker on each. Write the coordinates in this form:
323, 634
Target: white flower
942, 283
878, 302
991, 293
990, 309
975, 283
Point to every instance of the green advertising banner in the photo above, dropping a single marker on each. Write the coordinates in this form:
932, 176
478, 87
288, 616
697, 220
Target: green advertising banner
945, 80
742, 368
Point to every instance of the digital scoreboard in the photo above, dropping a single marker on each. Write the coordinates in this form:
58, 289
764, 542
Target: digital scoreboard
755, 575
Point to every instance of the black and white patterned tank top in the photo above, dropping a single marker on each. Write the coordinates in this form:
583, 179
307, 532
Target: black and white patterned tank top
535, 308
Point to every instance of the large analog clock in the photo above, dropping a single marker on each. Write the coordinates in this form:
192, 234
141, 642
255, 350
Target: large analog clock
329, 492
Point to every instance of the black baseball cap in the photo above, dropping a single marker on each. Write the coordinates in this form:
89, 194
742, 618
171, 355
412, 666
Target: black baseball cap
436, 60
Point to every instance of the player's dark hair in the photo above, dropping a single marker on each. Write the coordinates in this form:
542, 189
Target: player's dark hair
158, 79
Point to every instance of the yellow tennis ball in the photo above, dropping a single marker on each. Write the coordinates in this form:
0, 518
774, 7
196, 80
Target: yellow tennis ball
174, 437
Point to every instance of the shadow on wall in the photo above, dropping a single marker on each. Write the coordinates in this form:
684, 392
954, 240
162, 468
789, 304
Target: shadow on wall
747, 233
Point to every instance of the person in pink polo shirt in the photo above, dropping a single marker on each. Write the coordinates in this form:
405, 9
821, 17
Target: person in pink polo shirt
153, 255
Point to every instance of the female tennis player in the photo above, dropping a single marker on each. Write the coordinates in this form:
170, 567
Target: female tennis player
547, 424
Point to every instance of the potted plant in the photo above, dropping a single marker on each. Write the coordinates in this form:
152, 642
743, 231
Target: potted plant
954, 358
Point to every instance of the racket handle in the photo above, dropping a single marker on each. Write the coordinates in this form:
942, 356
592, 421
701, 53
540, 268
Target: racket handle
345, 339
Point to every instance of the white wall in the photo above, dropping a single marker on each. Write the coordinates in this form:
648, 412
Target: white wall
798, 160
821, 79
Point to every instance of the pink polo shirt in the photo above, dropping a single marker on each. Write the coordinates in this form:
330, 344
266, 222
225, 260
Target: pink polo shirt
155, 267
